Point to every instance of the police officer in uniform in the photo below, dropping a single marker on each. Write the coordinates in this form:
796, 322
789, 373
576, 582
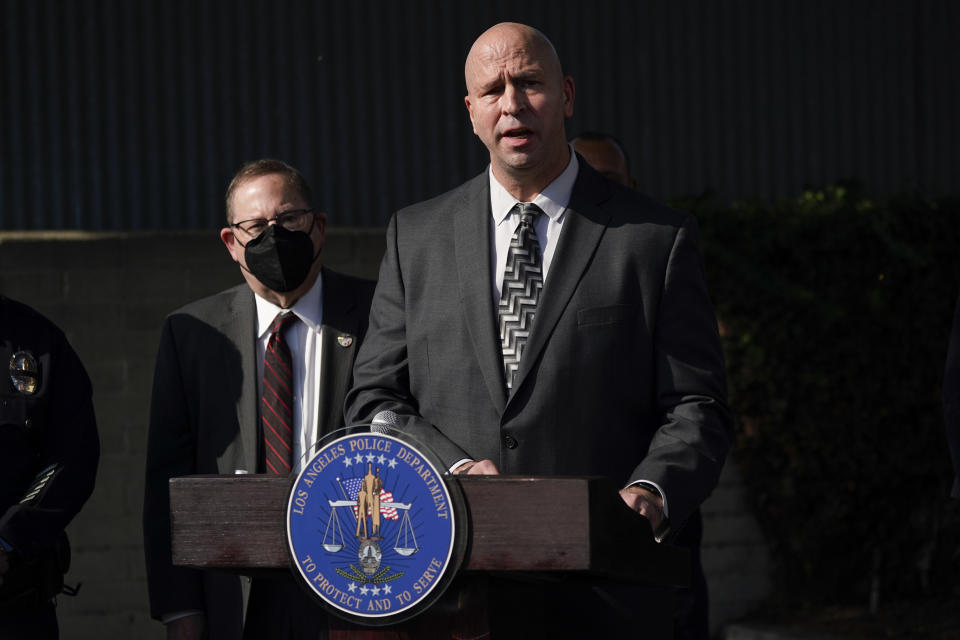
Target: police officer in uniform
48, 463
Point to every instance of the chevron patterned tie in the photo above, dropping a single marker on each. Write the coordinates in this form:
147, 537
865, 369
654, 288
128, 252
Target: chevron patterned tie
522, 282
276, 403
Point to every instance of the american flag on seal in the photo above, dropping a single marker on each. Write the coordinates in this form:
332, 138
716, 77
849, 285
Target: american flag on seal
352, 487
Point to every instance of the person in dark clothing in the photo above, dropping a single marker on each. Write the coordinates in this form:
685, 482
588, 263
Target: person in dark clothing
210, 411
49, 450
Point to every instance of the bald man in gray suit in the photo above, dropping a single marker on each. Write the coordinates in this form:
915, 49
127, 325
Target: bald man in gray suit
621, 373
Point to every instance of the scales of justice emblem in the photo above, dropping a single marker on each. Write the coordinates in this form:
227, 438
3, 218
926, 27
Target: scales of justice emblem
369, 506
372, 528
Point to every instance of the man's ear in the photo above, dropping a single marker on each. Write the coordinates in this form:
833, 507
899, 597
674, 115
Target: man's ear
569, 92
230, 242
466, 101
321, 222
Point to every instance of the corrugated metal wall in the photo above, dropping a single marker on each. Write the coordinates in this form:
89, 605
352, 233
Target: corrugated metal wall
127, 114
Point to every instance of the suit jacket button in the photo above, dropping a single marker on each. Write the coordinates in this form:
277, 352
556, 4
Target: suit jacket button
510, 442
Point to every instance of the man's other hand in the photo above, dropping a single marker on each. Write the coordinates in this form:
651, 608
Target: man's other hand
477, 468
645, 502
193, 627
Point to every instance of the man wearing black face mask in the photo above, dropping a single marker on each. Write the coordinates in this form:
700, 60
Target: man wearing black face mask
245, 382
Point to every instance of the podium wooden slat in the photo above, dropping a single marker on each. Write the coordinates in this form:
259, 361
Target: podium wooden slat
517, 524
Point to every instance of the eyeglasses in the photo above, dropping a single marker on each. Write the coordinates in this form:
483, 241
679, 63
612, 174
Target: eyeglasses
297, 220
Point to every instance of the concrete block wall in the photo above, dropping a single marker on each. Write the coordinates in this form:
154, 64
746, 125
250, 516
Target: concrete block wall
734, 554
110, 293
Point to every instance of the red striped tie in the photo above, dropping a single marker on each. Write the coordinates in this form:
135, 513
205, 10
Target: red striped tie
276, 404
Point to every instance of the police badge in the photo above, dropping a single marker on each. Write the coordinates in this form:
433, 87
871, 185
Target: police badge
24, 372
374, 527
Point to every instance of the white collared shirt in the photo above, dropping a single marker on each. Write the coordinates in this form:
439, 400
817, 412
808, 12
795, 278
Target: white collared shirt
553, 201
303, 338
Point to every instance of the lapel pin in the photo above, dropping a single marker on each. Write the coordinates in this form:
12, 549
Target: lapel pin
345, 341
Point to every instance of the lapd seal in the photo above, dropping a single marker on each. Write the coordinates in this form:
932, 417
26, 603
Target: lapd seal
374, 527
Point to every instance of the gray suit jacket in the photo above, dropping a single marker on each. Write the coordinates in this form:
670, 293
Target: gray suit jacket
204, 419
622, 376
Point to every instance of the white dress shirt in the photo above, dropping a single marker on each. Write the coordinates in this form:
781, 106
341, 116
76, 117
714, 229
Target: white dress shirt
553, 201
303, 338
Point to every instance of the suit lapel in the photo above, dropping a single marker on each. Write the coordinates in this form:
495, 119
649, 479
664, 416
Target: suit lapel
584, 223
339, 340
240, 329
472, 246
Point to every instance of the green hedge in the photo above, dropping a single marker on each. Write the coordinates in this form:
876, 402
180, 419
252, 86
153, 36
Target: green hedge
835, 311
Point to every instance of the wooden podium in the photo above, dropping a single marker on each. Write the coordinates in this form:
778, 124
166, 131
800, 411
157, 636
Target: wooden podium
544, 526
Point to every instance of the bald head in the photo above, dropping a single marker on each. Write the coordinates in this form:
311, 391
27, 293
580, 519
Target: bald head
513, 39
604, 153
518, 99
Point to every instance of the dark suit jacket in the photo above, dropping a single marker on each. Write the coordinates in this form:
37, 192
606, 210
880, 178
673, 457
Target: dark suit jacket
951, 400
204, 419
622, 376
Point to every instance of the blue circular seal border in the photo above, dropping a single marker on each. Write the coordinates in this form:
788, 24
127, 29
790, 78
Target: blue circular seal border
397, 560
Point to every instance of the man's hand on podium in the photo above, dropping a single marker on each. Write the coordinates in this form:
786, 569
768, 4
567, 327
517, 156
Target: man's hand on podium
477, 468
645, 502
